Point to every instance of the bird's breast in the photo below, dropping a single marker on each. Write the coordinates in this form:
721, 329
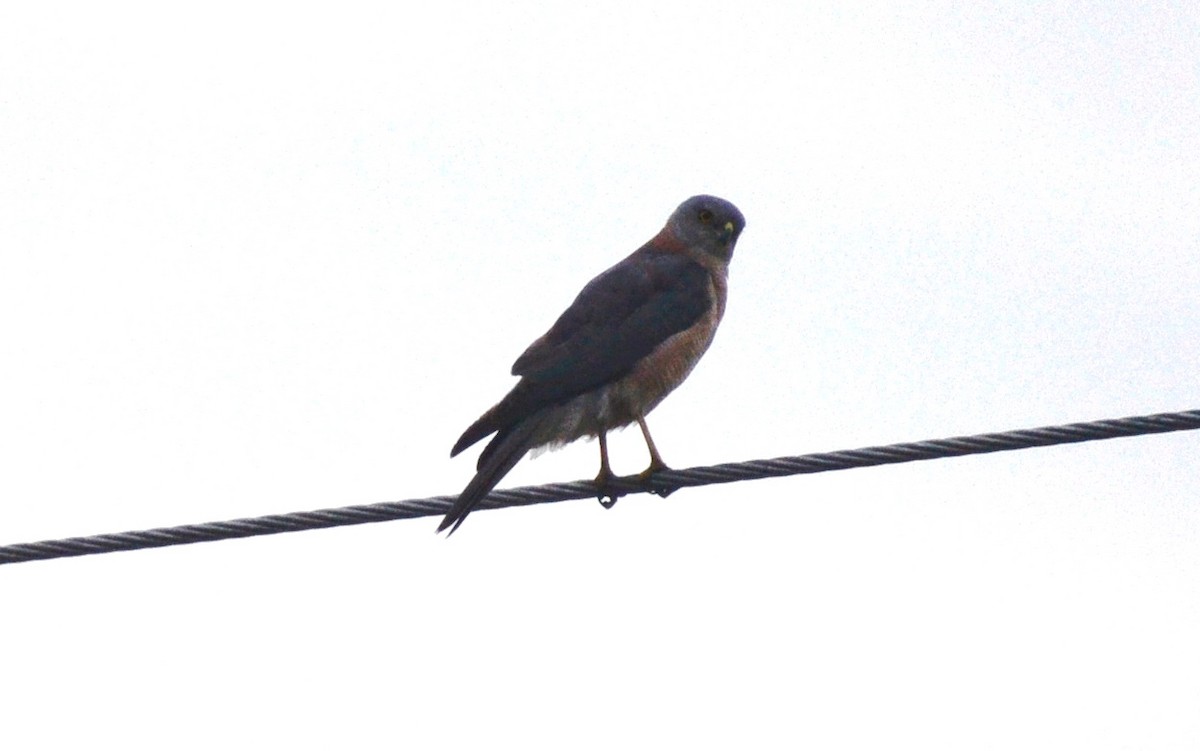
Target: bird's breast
660, 372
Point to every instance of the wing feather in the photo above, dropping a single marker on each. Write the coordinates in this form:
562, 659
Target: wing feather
618, 319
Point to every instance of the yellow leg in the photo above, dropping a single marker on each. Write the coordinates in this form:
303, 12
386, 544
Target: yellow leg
656, 462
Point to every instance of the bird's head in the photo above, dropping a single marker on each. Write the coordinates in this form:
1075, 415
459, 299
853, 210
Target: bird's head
708, 224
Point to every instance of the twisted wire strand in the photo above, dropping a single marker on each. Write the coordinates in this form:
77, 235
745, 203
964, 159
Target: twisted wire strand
662, 483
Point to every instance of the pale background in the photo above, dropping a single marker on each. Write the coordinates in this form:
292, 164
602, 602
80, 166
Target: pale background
267, 258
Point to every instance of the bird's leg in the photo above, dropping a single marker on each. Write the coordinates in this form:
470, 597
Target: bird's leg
607, 500
656, 462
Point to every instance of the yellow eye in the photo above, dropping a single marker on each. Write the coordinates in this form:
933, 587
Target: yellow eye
706, 216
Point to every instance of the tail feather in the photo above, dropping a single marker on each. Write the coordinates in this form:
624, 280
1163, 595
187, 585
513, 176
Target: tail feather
498, 458
480, 429
507, 413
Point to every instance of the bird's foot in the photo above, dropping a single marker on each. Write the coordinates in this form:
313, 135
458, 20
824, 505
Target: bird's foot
656, 465
604, 494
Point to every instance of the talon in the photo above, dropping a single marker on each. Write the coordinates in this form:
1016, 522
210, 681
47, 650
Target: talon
649, 472
606, 497
654, 468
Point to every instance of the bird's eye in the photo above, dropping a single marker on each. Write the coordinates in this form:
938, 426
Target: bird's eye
706, 216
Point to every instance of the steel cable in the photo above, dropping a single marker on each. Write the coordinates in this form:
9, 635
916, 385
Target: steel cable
662, 483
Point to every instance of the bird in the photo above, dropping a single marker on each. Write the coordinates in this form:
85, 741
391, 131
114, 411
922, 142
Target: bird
631, 336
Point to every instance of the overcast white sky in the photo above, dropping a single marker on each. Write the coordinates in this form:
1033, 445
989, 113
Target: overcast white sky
258, 259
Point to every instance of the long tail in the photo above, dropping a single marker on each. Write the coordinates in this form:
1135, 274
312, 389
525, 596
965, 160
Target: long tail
497, 459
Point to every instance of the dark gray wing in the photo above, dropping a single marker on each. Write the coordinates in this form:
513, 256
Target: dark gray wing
618, 319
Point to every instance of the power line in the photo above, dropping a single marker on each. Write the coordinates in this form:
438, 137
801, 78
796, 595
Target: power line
662, 483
